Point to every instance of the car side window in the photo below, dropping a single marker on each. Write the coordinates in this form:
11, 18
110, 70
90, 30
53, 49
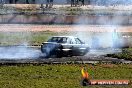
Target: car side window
78, 41
63, 40
69, 41
54, 39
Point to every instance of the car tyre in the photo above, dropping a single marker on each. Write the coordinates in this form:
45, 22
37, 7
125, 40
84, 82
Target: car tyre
59, 52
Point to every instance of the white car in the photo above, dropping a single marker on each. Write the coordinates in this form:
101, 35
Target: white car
64, 46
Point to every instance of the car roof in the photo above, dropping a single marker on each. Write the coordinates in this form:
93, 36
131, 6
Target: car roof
65, 36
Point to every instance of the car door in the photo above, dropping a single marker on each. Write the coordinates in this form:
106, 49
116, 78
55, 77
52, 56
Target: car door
75, 45
68, 44
79, 47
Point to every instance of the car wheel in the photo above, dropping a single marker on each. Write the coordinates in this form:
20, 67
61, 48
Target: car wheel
86, 51
58, 55
46, 52
59, 52
70, 53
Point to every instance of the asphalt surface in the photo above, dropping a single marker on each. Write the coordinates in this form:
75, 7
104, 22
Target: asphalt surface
30, 54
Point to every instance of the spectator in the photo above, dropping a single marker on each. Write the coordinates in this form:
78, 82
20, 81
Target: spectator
82, 2
11, 1
2, 1
72, 3
49, 3
15, 1
89, 2
76, 2
33, 1
27, 2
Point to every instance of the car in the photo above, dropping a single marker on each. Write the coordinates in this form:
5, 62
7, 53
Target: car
60, 46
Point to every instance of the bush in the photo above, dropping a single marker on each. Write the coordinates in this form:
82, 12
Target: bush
125, 54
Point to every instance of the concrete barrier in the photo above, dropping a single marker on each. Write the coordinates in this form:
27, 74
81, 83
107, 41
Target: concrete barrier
66, 19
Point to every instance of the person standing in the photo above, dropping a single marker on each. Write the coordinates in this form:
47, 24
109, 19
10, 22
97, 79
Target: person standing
51, 3
27, 2
72, 3
82, 2
33, 1
76, 2
2, 2
11, 1
89, 2
47, 3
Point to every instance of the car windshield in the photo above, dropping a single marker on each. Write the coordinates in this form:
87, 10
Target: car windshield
58, 39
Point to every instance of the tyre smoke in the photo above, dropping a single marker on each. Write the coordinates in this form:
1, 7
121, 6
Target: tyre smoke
15, 45
18, 52
107, 37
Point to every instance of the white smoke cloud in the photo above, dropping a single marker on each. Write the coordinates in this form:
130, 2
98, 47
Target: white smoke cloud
107, 39
15, 45
18, 52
